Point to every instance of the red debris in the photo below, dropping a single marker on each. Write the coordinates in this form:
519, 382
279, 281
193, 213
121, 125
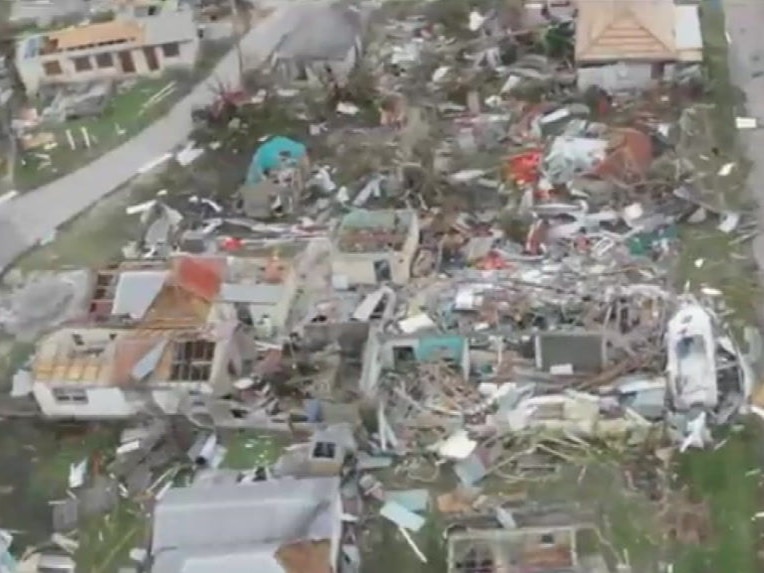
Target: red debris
523, 168
493, 261
230, 244
201, 276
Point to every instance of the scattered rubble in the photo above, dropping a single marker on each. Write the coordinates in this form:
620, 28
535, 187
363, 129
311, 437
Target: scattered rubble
479, 285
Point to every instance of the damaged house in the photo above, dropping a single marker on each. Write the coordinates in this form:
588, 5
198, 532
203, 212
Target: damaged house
522, 550
194, 291
627, 44
372, 247
221, 527
323, 48
101, 373
169, 336
113, 50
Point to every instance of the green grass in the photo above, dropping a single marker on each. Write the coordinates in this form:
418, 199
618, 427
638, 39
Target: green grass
727, 262
723, 477
719, 475
124, 117
91, 240
248, 449
50, 478
106, 540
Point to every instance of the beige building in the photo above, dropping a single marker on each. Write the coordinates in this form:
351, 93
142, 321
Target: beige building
373, 247
170, 336
107, 373
117, 49
627, 44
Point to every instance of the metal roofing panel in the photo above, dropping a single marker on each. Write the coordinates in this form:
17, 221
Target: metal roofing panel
148, 363
260, 558
297, 509
687, 30
264, 294
169, 26
136, 291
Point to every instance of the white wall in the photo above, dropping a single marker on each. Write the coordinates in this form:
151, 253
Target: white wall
102, 403
622, 76
33, 74
359, 267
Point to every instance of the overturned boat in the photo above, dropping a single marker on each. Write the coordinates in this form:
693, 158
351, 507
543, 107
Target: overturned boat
705, 369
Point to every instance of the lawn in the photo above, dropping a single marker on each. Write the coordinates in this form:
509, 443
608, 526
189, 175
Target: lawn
248, 448
726, 476
126, 115
730, 479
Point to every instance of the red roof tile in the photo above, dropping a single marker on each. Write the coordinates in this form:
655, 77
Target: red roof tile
201, 276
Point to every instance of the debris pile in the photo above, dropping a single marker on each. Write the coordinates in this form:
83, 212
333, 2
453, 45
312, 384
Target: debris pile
474, 277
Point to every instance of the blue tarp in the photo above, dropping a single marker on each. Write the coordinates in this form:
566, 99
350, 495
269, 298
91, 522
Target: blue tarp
269, 156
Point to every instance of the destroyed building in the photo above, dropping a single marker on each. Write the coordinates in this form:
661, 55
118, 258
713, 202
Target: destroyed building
100, 373
536, 549
629, 44
286, 525
259, 292
324, 49
372, 247
113, 50
194, 291
158, 333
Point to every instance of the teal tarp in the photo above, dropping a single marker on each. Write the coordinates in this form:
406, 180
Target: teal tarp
440, 346
269, 156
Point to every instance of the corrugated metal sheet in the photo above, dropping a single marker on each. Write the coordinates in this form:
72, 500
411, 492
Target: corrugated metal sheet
689, 38
169, 26
149, 362
251, 293
227, 514
260, 558
136, 291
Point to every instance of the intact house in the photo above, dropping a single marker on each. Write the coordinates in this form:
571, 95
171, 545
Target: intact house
627, 44
221, 528
372, 247
323, 48
113, 50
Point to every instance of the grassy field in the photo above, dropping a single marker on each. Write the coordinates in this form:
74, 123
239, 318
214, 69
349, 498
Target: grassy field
727, 476
125, 116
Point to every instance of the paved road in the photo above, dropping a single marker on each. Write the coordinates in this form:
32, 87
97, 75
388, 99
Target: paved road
745, 21
34, 216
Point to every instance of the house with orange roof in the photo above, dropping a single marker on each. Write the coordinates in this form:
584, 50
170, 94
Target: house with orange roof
191, 291
629, 44
165, 336
113, 50
111, 373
